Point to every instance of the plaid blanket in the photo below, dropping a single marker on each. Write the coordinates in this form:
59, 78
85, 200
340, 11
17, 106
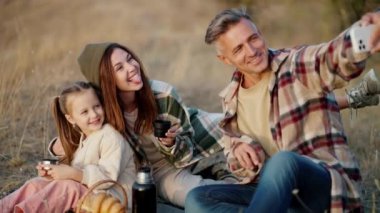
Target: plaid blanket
199, 133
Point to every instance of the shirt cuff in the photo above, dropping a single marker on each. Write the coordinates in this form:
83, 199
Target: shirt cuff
167, 148
50, 147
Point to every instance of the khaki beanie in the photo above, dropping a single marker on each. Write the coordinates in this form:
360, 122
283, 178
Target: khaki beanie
89, 61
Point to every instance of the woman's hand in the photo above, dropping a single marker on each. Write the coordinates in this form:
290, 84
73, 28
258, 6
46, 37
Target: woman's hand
169, 140
63, 171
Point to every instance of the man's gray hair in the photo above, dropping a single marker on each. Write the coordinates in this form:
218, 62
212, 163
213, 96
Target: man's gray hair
222, 21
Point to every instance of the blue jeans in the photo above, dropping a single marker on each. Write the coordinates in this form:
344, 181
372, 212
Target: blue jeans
289, 182
168, 208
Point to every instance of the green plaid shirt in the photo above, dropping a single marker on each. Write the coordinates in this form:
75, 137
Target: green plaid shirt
199, 135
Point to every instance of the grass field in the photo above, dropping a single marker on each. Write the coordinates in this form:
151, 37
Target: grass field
40, 41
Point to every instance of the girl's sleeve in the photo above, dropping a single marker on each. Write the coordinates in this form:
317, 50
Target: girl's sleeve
111, 151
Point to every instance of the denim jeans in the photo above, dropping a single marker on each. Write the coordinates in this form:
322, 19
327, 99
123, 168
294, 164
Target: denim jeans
168, 208
289, 182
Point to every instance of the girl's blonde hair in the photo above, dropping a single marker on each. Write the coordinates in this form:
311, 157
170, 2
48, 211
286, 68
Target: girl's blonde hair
67, 133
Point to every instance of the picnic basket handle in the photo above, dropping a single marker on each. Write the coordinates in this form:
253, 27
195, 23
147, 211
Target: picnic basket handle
83, 198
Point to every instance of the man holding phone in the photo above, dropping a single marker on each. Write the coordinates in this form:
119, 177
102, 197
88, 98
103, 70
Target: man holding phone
282, 127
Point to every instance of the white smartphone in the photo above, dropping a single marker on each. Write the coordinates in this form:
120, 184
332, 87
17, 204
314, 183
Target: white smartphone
360, 38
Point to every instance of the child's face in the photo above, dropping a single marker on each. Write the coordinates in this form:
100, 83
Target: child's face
85, 111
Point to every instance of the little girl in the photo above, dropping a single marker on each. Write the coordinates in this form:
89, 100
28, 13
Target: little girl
94, 151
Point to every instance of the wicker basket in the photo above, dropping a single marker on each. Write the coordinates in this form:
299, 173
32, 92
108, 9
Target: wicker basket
102, 202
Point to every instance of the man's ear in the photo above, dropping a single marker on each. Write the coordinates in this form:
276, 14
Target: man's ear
220, 54
224, 59
69, 119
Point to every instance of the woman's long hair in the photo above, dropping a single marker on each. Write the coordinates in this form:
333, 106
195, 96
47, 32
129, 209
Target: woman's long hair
68, 134
147, 109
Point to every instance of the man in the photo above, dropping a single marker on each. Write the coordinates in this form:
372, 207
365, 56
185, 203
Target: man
282, 122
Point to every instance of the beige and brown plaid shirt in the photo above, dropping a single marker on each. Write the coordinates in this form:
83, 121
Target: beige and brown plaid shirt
304, 116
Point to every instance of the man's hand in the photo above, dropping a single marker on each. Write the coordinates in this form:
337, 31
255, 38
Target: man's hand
373, 18
248, 156
170, 136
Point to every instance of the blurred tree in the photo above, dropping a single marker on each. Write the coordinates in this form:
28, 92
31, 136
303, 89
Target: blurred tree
247, 4
351, 10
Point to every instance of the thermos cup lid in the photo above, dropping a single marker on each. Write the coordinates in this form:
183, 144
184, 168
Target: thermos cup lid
144, 175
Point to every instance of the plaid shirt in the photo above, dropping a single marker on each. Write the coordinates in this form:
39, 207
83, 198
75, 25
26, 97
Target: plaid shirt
199, 134
304, 116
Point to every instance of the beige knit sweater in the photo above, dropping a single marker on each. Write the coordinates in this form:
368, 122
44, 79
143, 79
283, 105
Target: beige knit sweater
103, 155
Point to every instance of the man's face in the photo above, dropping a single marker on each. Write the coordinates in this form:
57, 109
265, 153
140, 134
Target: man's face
243, 46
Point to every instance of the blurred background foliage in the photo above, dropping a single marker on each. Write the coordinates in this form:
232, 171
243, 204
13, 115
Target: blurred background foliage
41, 39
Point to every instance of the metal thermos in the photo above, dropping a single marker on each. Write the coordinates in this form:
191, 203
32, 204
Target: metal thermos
144, 196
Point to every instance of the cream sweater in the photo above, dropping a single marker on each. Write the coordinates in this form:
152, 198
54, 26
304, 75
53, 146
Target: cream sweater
104, 155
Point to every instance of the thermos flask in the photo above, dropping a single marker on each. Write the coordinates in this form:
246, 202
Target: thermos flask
144, 195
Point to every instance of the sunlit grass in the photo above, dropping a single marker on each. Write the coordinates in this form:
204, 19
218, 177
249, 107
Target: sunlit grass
40, 41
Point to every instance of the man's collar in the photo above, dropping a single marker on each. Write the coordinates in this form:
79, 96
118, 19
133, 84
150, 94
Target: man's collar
276, 58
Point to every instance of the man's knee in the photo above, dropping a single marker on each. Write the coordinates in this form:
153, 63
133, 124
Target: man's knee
284, 156
193, 199
283, 163
196, 195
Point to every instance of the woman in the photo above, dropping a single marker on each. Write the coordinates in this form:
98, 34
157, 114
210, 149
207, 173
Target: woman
133, 102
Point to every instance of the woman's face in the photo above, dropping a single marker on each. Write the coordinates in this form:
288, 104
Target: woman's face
126, 71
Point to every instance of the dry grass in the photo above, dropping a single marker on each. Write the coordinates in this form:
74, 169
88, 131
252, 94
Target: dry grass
41, 39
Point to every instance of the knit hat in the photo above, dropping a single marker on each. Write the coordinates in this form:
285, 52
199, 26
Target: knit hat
89, 61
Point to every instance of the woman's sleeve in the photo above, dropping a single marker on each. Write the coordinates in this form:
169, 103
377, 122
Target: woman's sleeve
171, 107
56, 145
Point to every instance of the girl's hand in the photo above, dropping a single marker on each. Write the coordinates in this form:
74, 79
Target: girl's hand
169, 140
41, 171
63, 171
